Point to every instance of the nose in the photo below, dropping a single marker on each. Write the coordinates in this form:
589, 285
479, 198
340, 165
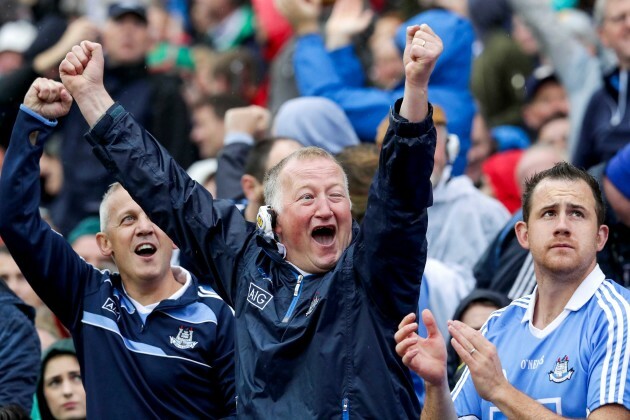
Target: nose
324, 210
562, 227
145, 225
66, 389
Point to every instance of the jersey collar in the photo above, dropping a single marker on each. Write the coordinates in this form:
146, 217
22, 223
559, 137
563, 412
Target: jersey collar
582, 294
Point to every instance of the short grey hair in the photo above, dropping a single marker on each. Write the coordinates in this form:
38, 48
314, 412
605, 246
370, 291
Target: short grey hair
598, 12
272, 188
103, 210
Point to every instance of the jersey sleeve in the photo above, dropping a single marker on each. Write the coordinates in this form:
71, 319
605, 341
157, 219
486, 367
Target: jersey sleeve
608, 381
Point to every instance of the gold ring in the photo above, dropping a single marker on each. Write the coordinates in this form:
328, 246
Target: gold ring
472, 351
424, 42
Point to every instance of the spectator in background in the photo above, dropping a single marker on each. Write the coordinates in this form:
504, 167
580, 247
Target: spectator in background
505, 266
606, 129
545, 97
20, 349
222, 24
462, 220
568, 40
84, 243
315, 121
13, 278
500, 70
208, 116
474, 310
331, 69
360, 163
155, 99
60, 394
15, 38
555, 132
614, 179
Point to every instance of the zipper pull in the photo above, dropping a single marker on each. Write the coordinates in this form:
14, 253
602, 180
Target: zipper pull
297, 286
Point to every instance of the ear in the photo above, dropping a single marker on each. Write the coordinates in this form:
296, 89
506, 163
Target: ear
104, 244
522, 234
249, 185
602, 237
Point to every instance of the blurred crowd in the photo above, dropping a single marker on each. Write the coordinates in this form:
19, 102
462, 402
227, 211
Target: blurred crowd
230, 87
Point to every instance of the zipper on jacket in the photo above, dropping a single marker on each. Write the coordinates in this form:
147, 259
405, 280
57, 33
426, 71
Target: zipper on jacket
296, 296
345, 411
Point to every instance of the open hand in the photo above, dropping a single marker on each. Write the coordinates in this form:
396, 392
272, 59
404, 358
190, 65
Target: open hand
481, 357
425, 356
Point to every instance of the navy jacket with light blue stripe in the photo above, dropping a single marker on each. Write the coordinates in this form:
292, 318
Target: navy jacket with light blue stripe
179, 363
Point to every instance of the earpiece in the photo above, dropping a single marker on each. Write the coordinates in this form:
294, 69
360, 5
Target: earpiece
266, 220
452, 147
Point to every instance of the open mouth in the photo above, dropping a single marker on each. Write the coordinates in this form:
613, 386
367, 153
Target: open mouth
145, 250
324, 235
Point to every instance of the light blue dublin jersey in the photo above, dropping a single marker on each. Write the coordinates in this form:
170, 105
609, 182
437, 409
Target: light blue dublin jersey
576, 364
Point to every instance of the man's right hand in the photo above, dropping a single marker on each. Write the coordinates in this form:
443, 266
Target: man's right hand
425, 356
253, 120
48, 98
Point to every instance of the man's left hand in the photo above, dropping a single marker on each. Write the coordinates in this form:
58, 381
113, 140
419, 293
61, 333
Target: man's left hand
481, 357
48, 98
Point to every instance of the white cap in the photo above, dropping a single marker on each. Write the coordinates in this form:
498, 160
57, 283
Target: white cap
17, 36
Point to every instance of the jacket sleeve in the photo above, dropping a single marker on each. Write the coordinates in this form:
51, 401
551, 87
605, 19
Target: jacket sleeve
391, 248
348, 66
56, 273
231, 165
19, 356
316, 75
213, 233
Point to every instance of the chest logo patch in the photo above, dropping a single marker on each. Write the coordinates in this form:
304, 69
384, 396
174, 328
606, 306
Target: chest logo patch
561, 371
184, 339
110, 306
258, 297
313, 305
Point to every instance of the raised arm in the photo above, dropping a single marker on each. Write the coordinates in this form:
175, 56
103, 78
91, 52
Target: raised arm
211, 232
47, 261
390, 251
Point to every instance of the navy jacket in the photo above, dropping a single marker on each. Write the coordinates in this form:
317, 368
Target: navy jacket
19, 350
178, 363
606, 125
320, 346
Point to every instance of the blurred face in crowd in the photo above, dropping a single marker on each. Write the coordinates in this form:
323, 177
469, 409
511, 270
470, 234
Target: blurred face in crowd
9, 61
562, 233
207, 132
141, 250
550, 99
63, 389
126, 39
477, 313
614, 31
10, 273
314, 223
481, 147
440, 159
617, 201
555, 133
387, 69
87, 247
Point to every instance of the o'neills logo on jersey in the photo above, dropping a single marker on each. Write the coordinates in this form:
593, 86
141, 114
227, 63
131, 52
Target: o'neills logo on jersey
561, 372
258, 297
184, 339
